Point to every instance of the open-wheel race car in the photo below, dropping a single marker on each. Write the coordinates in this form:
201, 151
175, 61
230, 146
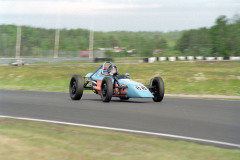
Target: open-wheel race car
106, 82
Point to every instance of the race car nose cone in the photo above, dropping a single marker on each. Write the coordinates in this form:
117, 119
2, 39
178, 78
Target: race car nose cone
132, 92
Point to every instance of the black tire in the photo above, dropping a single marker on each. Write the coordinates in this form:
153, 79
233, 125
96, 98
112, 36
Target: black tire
106, 89
157, 88
124, 98
76, 87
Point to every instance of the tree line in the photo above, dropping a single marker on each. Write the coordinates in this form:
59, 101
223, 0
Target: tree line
40, 42
222, 39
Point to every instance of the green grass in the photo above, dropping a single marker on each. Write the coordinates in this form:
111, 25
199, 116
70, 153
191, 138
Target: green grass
26, 140
188, 78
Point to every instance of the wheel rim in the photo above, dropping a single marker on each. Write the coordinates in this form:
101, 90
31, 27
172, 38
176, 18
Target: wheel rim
155, 90
74, 87
104, 90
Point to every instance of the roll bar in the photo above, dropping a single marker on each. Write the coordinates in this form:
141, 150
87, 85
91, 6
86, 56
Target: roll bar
102, 66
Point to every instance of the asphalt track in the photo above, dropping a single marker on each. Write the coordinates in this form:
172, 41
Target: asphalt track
213, 120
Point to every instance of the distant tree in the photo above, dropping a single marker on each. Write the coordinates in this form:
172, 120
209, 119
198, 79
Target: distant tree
233, 40
162, 44
195, 42
218, 35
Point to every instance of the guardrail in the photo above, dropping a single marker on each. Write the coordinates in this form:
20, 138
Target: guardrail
52, 60
146, 60
43, 60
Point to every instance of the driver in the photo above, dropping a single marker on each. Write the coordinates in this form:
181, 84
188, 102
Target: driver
112, 69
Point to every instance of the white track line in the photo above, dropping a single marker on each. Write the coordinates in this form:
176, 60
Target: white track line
128, 130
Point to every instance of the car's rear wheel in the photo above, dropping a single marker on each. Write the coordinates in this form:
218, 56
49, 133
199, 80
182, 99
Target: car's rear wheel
157, 89
106, 89
76, 87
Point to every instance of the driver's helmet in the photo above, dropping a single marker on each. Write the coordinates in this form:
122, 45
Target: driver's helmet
112, 69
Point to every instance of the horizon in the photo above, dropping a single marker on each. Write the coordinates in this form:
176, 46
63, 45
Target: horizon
99, 30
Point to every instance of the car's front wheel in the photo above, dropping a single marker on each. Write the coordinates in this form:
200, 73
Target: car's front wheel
76, 87
157, 89
106, 89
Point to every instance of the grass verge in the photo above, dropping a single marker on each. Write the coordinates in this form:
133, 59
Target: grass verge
180, 78
21, 139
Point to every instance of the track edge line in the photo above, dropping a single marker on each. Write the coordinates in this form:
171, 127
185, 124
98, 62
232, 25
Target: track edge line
128, 130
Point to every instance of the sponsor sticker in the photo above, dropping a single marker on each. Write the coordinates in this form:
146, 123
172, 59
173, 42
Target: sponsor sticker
141, 88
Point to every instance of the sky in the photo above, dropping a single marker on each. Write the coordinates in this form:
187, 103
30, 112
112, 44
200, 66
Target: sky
117, 15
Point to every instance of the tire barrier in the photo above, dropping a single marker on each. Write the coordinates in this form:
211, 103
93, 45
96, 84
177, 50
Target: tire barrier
209, 58
199, 58
219, 58
234, 58
171, 59
181, 58
150, 60
189, 58
162, 58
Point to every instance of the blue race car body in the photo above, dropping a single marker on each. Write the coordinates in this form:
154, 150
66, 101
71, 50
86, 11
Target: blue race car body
134, 89
106, 82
